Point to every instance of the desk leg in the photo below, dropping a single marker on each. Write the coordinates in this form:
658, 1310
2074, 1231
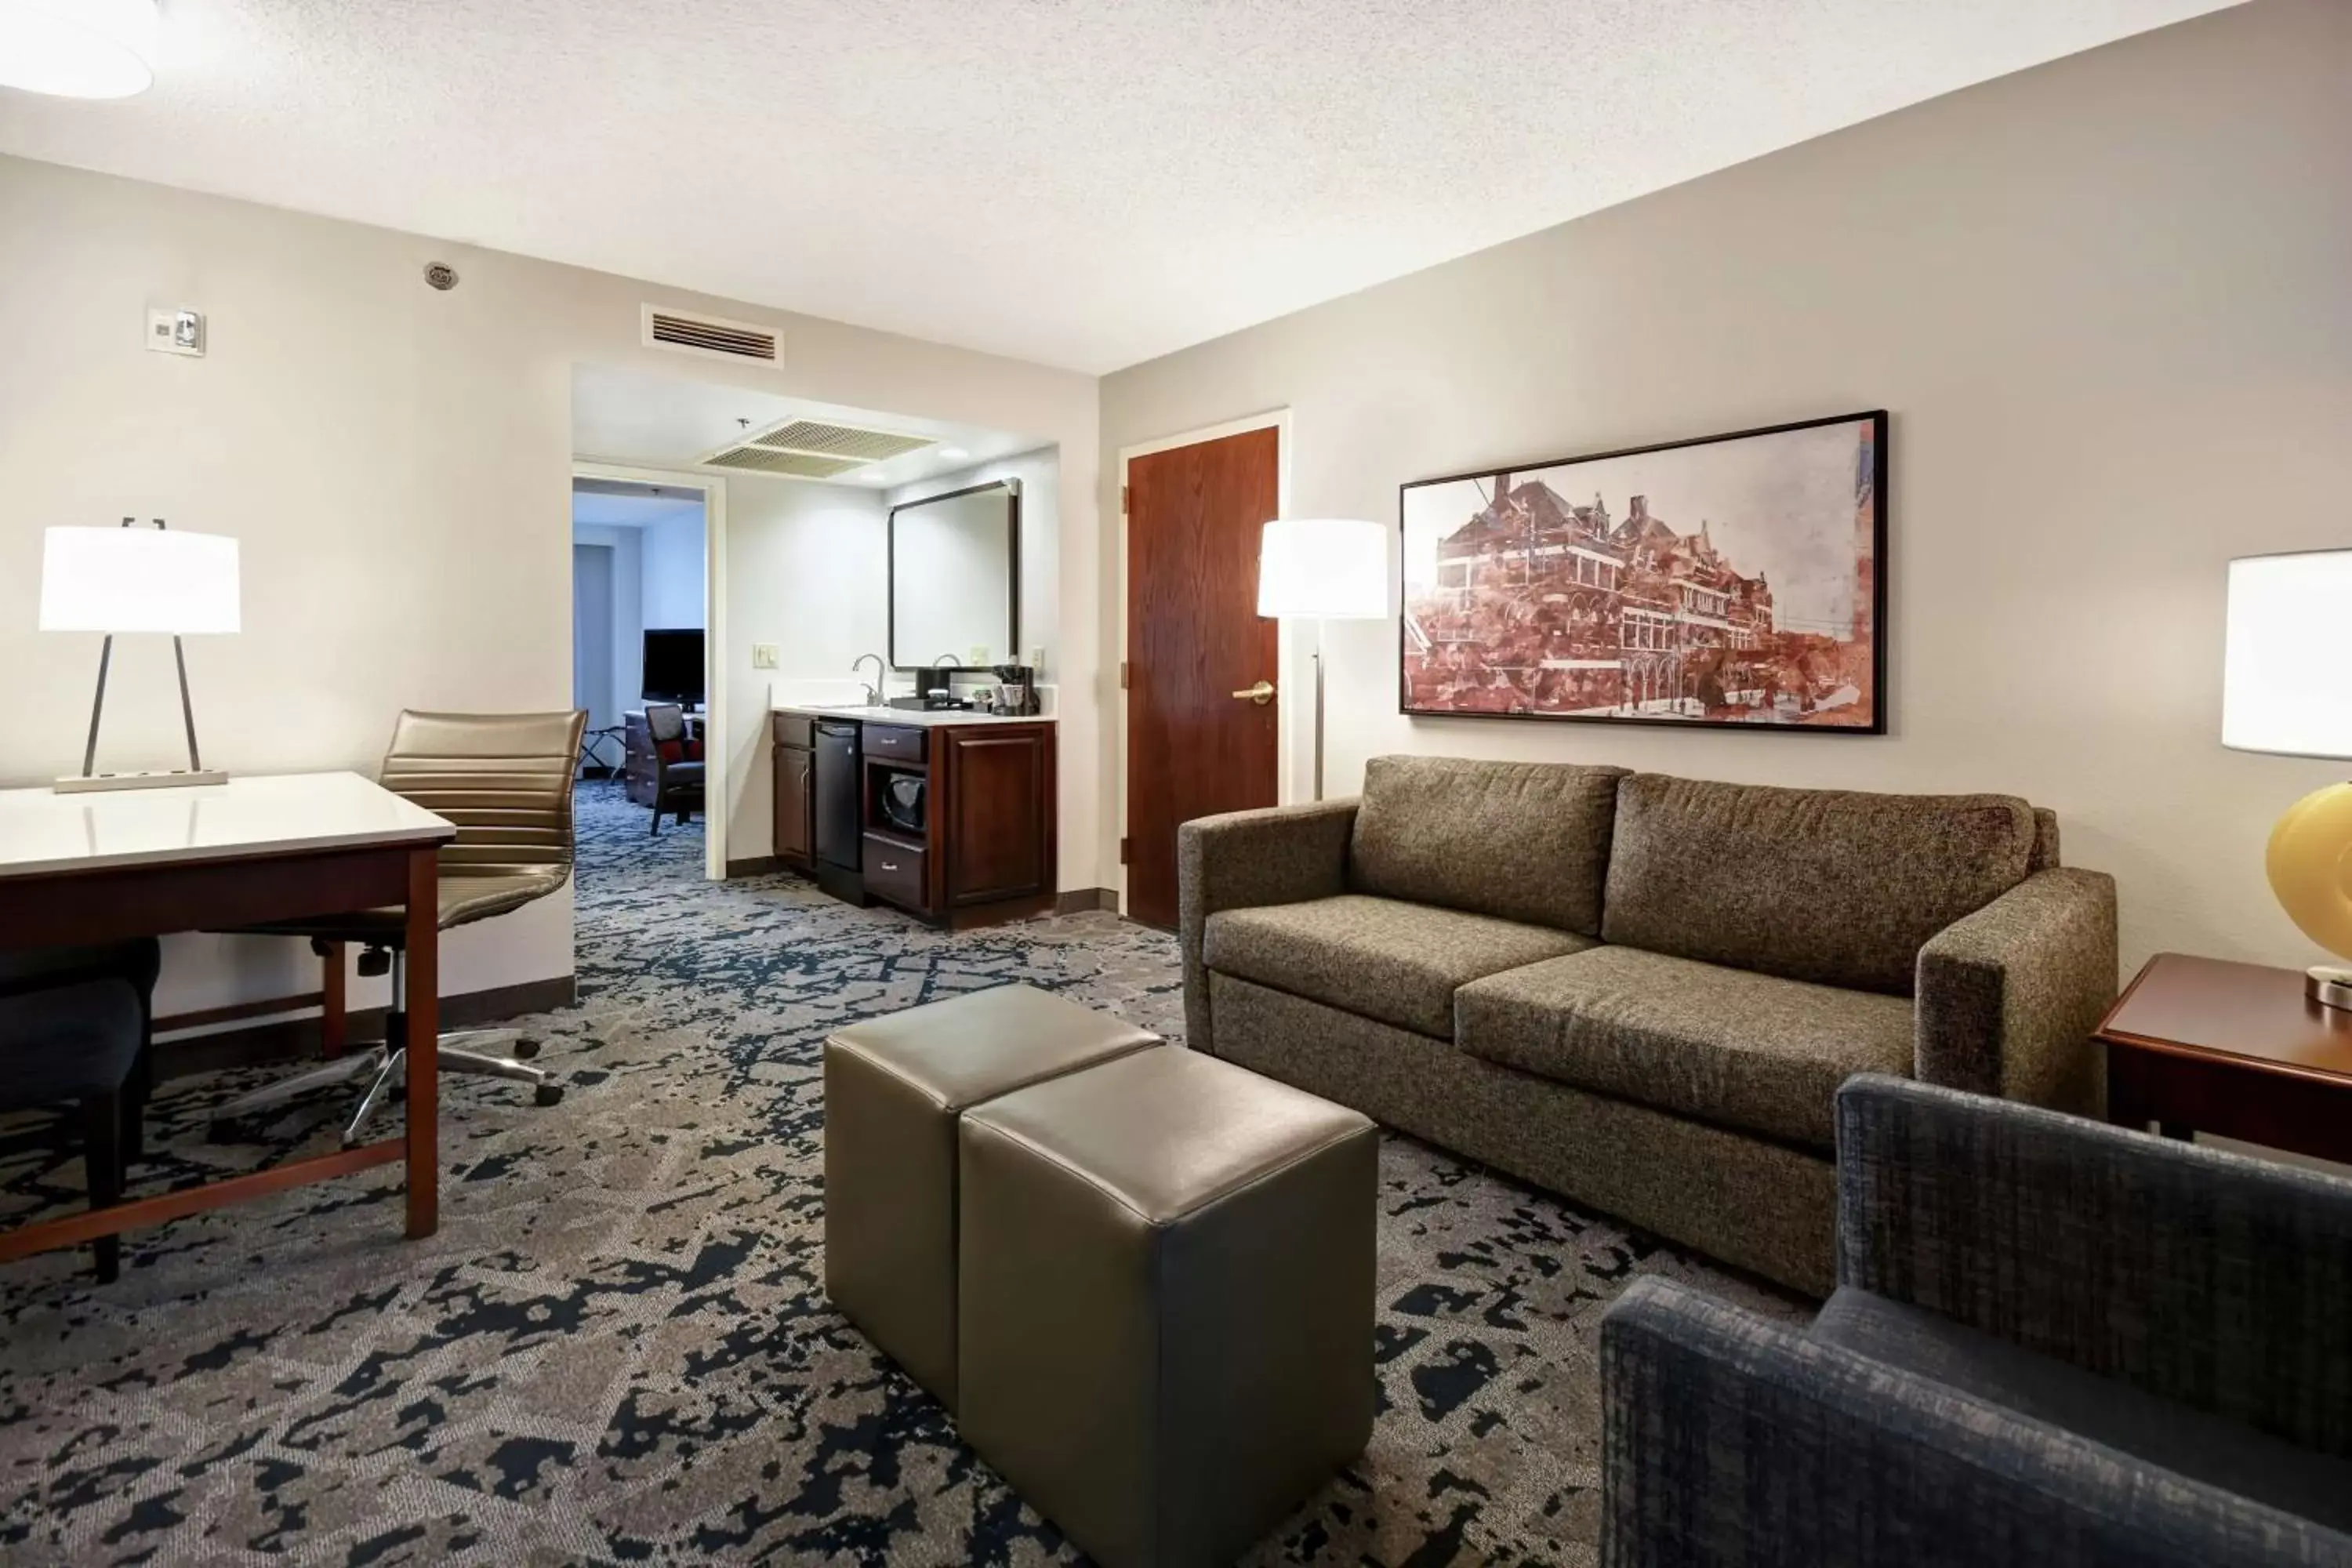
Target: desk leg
424, 1001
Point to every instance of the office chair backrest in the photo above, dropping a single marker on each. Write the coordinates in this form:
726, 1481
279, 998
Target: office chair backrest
505, 778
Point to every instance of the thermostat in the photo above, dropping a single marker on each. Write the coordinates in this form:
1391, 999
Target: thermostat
177, 332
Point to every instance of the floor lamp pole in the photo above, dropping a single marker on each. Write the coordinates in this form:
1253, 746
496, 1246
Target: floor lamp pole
1318, 708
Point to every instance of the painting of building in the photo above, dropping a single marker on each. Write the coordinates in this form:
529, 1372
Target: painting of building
1728, 581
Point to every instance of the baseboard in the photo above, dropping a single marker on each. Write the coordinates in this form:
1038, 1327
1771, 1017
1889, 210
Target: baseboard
289, 1039
1078, 900
757, 866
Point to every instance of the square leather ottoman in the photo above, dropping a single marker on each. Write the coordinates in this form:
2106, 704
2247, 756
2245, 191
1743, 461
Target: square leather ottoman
1166, 1306
893, 1089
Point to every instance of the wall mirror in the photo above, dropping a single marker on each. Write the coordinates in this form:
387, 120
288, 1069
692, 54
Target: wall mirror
955, 578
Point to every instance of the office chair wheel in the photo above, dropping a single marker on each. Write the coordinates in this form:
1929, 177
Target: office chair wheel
524, 1049
548, 1094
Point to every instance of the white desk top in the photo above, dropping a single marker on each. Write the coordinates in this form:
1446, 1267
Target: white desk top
42, 831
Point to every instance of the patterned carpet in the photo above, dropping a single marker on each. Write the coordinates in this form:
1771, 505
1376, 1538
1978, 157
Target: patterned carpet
618, 1350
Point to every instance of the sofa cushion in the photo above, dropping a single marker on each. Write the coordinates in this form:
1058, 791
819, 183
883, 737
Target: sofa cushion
2178, 1437
1380, 958
1726, 1046
1833, 886
1520, 841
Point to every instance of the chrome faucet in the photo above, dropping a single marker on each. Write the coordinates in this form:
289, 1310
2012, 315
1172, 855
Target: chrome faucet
881, 674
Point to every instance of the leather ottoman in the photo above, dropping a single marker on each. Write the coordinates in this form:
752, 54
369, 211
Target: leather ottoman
1166, 1306
893, 1089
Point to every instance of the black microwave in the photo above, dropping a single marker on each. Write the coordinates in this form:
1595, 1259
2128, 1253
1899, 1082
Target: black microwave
900, 800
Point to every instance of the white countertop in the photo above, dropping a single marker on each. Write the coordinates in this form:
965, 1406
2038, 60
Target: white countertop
43, 831
916, 718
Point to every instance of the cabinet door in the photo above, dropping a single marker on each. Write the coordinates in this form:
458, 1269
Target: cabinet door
794, 803
999, 836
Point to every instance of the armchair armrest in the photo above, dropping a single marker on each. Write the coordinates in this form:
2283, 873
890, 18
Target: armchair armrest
1731, 1441
1282, 855
2198, 1274
2009, 996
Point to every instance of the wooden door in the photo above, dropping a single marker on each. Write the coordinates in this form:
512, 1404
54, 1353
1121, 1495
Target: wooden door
794, 804
996, 835
1193, 639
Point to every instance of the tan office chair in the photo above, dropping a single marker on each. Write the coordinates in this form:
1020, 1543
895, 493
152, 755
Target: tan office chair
505, 778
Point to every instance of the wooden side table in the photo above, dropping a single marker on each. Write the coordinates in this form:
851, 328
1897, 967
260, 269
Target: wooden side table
2201, 1045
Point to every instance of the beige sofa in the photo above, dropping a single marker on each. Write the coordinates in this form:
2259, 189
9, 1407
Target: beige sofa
1641, 990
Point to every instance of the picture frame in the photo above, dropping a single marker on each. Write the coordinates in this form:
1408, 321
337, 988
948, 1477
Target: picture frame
1727, 582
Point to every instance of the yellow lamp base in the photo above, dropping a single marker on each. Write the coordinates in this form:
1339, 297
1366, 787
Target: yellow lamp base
2310, 867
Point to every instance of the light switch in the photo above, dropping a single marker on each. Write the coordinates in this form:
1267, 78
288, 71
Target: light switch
763, 655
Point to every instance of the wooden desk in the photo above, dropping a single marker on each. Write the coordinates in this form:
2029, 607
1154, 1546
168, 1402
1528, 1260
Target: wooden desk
2199, 1044
101, 867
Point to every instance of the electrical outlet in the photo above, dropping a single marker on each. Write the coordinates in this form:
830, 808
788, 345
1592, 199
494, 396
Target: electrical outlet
177, 332
763, 655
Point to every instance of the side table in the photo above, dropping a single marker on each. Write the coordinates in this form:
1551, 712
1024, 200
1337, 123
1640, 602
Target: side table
2203, 1044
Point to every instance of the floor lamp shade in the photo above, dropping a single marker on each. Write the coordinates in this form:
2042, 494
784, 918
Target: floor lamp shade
1323, 568
2283, 690
138, 580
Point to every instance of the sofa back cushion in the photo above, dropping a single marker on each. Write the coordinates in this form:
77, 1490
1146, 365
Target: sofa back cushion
1520, 841
1837, 887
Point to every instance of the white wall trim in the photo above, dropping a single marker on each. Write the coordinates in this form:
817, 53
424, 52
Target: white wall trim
1278, 421
713, 490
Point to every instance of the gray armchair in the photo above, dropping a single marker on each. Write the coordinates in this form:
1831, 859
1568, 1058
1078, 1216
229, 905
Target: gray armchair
2052, 1341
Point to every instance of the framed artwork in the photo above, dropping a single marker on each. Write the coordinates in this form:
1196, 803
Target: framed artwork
1730, 581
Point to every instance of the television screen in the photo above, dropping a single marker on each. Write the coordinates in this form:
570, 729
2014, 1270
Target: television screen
674, 666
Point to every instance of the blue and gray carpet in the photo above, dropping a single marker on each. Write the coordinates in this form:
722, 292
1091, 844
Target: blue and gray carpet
619, 1348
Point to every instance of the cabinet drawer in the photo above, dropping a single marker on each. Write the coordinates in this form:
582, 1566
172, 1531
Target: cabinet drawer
795, 730
898, 742
895, 872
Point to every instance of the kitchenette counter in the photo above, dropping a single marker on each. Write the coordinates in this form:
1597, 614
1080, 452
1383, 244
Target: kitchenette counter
947, 814
918, 718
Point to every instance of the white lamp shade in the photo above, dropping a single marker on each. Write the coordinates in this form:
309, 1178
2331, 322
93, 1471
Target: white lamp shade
1328, 568
138, 580
78, 49
2282, 686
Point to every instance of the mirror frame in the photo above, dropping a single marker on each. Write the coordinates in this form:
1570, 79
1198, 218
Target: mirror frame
1012, 489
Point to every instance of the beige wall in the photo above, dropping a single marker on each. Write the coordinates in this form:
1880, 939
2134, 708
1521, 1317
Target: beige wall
806, 571
397, 463
2109, 304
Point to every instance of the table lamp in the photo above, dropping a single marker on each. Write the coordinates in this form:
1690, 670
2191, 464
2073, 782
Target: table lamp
2283, 690
1322, 569
134, 579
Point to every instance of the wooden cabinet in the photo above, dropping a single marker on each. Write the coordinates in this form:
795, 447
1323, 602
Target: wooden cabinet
993, 822
795, 777
985, 848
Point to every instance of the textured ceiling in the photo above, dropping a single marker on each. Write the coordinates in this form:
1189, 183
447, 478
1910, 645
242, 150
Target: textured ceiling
1084, 183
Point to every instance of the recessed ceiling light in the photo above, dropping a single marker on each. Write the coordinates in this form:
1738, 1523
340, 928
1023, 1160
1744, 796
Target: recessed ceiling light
78, 49
953, 452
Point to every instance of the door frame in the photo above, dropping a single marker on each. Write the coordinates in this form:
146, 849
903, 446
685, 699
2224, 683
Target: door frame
716, 801
1278, 421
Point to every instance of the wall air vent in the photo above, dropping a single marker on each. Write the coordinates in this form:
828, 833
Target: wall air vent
838, 441
793, 465
709, 336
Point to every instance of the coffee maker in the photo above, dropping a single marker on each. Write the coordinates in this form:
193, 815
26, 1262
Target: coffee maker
1016, 690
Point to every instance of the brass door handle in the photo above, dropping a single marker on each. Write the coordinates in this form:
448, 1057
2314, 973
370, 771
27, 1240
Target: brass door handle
1261, 694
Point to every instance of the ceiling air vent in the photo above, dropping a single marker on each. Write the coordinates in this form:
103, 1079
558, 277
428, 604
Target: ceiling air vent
796, 465
838, 441
709, 336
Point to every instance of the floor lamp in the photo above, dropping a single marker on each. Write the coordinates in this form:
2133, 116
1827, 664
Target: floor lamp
1323, 569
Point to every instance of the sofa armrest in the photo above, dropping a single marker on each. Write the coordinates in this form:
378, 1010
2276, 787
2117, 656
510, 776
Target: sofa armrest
1729, 1439
1282, 855
2009, 997
2200, 1276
